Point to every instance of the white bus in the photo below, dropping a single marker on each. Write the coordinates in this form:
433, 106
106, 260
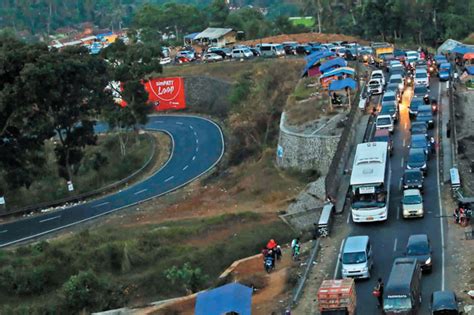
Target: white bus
370, 182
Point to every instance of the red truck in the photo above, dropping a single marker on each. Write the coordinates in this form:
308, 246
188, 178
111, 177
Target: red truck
337, 297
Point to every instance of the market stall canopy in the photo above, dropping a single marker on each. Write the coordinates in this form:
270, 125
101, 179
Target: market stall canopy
463, 49
316, 56
342, 84
232, 297
470, 70
336, 62
339, 71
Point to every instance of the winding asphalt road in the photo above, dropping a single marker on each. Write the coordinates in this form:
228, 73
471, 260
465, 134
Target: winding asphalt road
197, 146
389, 238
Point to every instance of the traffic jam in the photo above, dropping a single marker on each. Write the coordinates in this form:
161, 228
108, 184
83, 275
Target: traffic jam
391, 202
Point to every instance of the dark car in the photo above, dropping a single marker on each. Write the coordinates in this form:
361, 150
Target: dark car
420, 91
399, 71
393, 87
444, 303
420, 142
383, 135
419, 128
219, 52
289, 49
413, 179
417, 159
255, 52
390, 108
303, 49
419, 247
425, 114
414, 105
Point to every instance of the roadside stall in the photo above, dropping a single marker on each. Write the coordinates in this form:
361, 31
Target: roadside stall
345, 85
332, 64
314, 61
468, 58
336, 74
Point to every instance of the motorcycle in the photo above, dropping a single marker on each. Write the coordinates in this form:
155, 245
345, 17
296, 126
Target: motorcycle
434, 106
462, 216
268, 263
426, 99
296, 252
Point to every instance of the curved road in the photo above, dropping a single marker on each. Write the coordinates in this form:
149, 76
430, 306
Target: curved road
197, 146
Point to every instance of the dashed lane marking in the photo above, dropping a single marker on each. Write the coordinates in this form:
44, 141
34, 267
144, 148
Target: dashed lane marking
141, 191
49, 219
101, 204
169, 178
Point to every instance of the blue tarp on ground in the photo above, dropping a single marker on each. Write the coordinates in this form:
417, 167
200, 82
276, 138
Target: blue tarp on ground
342, 84
328, 65
462, 50
339, 71
232, 297
470, 70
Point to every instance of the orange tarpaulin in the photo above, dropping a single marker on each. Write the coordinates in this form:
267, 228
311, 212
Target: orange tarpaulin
469, 55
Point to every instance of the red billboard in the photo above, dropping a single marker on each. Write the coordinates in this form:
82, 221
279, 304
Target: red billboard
166, 93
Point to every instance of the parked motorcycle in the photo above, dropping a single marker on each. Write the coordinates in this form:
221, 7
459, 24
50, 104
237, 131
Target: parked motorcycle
296, 252
462, 216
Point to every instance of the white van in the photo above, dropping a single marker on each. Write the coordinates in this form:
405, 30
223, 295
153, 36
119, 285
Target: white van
384, 121
356, 257
421, 77
375, 86
272, 50
242, 53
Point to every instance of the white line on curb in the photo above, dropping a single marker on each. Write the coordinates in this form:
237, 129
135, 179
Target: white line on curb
141, 191
439, 196
400, 184
169, 178
49, 219
101, 204
338, 259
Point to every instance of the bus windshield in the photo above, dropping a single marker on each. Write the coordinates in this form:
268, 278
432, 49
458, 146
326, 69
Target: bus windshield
395, 304
374, 200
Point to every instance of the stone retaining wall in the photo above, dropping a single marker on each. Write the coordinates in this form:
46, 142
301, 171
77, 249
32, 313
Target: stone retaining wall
305, 151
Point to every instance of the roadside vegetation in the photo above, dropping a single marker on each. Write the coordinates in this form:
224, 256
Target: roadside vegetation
103, 164
104, 268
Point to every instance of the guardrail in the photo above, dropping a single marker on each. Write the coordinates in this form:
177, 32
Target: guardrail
302, 281
75, 198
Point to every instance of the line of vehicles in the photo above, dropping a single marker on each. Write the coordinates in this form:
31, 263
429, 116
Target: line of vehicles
370, 188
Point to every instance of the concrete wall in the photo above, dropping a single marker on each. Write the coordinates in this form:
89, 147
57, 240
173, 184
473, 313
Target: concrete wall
207, 95
305, 151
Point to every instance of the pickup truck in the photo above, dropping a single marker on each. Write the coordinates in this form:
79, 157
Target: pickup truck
337, 297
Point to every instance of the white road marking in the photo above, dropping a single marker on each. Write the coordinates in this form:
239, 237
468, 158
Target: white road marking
101, 204
197, 141
4, 231
398, 213
185, 168
403, 162
395, 245
338, 260
179, 123
194, 157
400, 184
160, 121
141, 191
195, 134
49, 219
439, 196
192, 128
348, 217
197, 149
404, 142
169, 178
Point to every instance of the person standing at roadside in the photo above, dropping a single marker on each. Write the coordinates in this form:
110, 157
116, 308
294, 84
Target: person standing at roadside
294, 243
378, 292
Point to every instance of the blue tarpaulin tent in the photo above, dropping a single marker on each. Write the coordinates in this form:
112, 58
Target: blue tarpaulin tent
191, 36
462, 49
470, 70
339, 71
342, 84
232, 297
316, 57
328, 65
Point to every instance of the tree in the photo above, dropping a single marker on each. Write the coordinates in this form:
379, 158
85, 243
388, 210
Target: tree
23, 125
130, 65
69, 88
190, 279
218, 13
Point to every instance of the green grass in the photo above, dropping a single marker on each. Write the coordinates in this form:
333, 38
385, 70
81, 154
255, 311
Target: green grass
93, 173
307, 22
133, 259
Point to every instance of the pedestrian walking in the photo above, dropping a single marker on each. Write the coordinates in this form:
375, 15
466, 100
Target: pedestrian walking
294, 242
278, 252
378, 292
